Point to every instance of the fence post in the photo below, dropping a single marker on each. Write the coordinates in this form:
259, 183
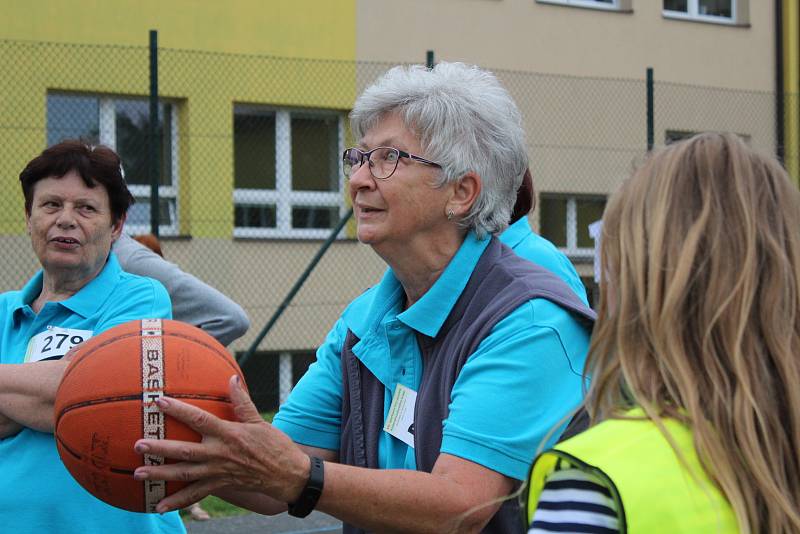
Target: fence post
429, 60
780, 103
295, 288
152, 137
650, 111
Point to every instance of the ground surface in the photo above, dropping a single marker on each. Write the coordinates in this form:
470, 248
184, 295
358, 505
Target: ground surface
251, 523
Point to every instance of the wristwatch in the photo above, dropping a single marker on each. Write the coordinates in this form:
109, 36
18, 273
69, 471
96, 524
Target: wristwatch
310, 495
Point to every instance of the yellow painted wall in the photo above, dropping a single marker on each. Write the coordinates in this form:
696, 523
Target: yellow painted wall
213, 54
291, 28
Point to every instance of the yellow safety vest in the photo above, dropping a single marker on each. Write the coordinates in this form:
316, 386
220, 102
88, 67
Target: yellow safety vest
653, 490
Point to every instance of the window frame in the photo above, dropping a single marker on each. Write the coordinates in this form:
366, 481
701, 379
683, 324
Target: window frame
107, 135
616, 5
674, 135
283, 197
692, 13
289, 367
572, 250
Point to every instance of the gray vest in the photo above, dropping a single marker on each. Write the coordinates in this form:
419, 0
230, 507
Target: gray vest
500, 283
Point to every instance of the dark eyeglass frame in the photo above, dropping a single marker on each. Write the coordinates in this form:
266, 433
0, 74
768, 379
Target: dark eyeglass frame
348, 166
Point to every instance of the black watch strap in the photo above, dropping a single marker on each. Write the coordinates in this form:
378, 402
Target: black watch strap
310, 495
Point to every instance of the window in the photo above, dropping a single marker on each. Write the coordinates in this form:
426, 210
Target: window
271, 375
724, 11
611, 5
122, 124
287, 172
673, 136
565, 220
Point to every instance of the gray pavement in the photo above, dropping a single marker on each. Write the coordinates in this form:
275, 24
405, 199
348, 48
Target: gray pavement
315, 523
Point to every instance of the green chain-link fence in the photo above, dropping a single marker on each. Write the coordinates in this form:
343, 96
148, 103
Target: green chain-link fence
250, 182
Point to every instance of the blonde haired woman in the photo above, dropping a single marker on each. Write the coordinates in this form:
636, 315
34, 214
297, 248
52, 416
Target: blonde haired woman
695, 359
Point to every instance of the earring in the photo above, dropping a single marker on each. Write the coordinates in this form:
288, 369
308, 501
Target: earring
450, 215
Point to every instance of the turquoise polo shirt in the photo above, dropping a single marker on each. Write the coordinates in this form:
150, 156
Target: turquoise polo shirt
37, 493
533, 247
522, 379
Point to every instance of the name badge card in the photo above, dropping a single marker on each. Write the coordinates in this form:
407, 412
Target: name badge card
400, 421
54, 343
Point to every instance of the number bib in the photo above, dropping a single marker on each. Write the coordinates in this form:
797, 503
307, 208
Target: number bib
54, 343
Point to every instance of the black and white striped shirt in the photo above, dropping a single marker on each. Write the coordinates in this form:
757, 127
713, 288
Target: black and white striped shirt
575, 501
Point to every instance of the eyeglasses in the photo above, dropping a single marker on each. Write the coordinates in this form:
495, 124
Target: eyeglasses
382, 160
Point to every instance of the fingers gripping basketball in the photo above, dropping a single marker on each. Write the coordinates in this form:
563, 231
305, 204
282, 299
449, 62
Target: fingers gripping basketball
243, 406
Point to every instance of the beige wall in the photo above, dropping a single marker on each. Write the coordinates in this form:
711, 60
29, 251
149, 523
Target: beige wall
531, 36
578, 74
258, 274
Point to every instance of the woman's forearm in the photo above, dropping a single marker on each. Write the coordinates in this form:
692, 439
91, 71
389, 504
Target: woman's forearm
414, 501
28, 391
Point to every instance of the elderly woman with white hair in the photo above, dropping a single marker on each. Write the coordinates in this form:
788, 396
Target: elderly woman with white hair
433, 390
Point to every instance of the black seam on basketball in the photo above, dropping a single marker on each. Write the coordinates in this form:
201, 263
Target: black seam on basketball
83, 355
73, 453
224, 355
121, 471
104, 400
195, 396
79, 457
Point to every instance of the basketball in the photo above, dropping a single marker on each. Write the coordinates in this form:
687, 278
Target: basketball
106, 402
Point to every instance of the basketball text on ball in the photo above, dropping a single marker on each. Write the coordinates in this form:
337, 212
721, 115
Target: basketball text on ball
152, 418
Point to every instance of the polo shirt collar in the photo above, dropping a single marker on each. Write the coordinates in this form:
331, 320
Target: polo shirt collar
87, 300
90, 297
429, 313
515, 233
362, 317
31, 290
27, 295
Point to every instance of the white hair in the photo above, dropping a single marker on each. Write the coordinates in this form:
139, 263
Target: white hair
465, 121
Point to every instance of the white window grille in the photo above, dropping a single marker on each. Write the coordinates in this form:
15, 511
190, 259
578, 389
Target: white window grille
288, 179
122, 124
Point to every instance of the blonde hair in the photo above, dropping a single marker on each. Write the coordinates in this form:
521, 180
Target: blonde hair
700, 317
